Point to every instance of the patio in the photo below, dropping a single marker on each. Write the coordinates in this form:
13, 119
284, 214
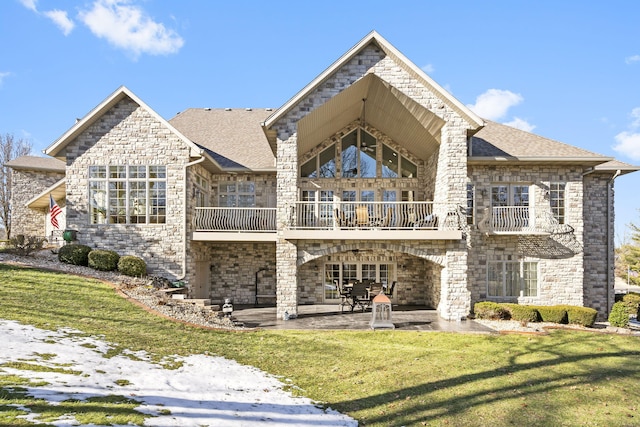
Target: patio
328, 316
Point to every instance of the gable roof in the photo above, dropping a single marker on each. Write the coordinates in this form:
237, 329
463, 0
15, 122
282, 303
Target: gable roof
399, 58
497, 142
46, 164
233, 137
57, 149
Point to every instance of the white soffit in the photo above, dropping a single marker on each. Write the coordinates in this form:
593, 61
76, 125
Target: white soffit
386, 109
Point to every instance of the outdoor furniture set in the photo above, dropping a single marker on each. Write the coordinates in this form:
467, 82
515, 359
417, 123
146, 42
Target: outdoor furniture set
361, 293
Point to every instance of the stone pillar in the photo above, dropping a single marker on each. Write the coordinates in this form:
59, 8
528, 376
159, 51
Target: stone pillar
455, 298
451, 188
286, 252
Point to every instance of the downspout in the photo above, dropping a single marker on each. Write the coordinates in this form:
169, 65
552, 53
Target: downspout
609, 257
184, 204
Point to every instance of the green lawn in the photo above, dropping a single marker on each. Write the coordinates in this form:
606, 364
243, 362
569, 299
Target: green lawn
382, 378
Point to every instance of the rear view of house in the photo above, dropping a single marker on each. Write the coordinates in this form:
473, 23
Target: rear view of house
371, 172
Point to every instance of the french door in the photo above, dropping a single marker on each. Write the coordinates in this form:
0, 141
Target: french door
349, 272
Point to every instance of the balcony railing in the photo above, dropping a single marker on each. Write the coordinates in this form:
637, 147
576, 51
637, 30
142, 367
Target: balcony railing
521, 220
376, 215
235, 219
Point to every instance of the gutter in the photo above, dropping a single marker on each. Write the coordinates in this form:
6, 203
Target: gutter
609, 227
184, 203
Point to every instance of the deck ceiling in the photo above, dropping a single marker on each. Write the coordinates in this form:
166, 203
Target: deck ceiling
386, 108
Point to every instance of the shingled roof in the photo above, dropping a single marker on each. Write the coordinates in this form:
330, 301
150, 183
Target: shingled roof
37, 163
501, 142
233, 137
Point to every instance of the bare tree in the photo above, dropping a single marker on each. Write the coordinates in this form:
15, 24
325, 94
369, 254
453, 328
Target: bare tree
10, 148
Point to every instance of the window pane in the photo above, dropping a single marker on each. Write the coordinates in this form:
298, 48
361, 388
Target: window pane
367, 196
512, 279
157, 202
494, 279
499, 195
331, 277
117, 172
97, 172
520, 195
557, 201
349, 273
369, 272
138, 202
470, 203
389, 162
137, 172
367, 155
98, 202
157, 172
409, 169
246, 201
328, 163
117, 202
530, 276
246, 187
308, 169
350, 155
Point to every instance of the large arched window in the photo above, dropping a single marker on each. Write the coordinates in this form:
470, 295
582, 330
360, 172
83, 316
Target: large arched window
360, 154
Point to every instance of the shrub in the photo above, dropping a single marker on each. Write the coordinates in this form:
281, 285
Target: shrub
75, 254
490, 310
552, 314
103, 260
522, 313
632, 301
132, 266
25, 245
584, 316
619, 315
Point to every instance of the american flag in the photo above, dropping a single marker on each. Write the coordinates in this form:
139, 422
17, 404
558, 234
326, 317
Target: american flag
55, 210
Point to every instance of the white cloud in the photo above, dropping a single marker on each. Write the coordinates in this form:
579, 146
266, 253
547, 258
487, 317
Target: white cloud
632, 59
3, 75
628, 144
521, 124
128, 27
60, 18
494, 103
30, 4
429, 68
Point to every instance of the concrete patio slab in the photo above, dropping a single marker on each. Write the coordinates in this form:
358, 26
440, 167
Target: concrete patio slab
329, 317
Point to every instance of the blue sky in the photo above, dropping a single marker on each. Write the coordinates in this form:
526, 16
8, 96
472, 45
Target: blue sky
566, 70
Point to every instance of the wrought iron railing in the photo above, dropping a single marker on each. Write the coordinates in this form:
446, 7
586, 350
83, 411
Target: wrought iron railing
377, 216
521, 220
235, 219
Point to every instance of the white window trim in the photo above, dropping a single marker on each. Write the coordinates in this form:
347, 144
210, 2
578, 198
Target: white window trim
521, 283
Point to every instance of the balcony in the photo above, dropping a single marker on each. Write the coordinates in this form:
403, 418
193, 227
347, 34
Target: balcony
376, 221
234, 224
518, 220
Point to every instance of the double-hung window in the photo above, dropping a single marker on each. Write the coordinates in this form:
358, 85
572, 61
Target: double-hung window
557, 201
512, 279
127, 194
241, 194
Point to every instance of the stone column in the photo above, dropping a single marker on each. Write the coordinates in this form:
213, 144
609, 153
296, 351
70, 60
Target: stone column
286, 252
451, 191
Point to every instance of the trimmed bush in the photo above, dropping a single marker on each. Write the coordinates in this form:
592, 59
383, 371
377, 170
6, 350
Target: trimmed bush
103, 260
132, 266
632, 301
584, 316
522, 313
552, 313
75, 254
619, 315
490, 310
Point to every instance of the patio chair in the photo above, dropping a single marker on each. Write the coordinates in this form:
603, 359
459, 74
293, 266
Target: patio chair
374, 290
386, 221
389, 290
362, 216
359, 296
345, 296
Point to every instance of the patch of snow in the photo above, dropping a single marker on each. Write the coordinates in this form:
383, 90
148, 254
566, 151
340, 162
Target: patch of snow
204, 390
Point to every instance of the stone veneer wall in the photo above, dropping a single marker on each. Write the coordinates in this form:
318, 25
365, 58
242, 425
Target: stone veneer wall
129, 135
450, 179
234, 268
599, 272
26, 185
561, 271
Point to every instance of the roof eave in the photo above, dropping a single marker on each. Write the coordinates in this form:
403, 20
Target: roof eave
586, 161
373, 37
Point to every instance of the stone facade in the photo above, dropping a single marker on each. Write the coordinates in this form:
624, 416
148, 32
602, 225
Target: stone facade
130, 135
26, 185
